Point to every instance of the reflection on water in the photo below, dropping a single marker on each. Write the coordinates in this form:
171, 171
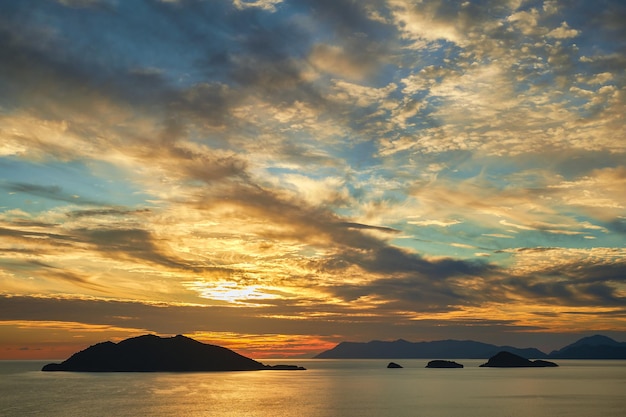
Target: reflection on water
329, 388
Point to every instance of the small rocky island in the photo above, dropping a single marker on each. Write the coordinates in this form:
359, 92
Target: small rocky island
510, 360
443, 364
393, 365
151, 353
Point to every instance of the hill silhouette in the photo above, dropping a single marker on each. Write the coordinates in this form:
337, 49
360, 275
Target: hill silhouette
592, 347
509, 360
442, 349
151, 353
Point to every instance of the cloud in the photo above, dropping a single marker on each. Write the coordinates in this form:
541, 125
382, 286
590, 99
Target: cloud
86, 3
423, 22
269, 5
236, 158
336, 60
52, 192
441, 223
105, 212
563, 32
589, 277
369, 227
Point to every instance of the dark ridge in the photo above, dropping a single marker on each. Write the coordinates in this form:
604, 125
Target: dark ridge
592, 347
151, 353
442, 349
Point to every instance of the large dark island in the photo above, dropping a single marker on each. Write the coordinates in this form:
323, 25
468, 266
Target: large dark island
510, 360
151, 353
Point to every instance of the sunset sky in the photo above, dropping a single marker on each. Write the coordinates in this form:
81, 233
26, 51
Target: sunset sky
278, 176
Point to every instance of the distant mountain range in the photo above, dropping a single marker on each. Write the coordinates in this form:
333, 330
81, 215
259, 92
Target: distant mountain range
594, 347
441, 349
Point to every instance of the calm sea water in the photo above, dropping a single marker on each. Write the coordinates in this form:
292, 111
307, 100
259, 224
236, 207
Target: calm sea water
328, 388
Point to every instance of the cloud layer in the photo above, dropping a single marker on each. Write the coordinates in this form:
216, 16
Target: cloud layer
312, 171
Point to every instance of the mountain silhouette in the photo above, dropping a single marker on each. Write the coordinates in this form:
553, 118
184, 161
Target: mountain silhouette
151, 353
441, 349
592, 347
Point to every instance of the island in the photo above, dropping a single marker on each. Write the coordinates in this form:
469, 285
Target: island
393, 365
151, 353
506, 359
443, 364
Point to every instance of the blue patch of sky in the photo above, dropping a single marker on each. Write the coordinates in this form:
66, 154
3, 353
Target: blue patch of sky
457, 241
360, 155
161, 39
71, 182
280, 171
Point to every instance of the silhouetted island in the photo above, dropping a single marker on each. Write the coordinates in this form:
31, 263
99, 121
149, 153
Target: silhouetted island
393, 365
151, 353
510, 360
443, 364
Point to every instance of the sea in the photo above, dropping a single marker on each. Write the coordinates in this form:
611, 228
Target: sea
328, 388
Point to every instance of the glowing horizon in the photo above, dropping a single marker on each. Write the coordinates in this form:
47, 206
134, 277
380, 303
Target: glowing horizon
279, 176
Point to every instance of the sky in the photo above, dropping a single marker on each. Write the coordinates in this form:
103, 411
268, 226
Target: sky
278, 176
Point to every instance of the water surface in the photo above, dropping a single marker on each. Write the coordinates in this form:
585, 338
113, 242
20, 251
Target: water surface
328, 388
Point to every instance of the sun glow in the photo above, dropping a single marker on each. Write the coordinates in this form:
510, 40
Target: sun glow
268, 346
233, 292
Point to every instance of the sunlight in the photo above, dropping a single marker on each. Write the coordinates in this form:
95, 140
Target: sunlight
232, 292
